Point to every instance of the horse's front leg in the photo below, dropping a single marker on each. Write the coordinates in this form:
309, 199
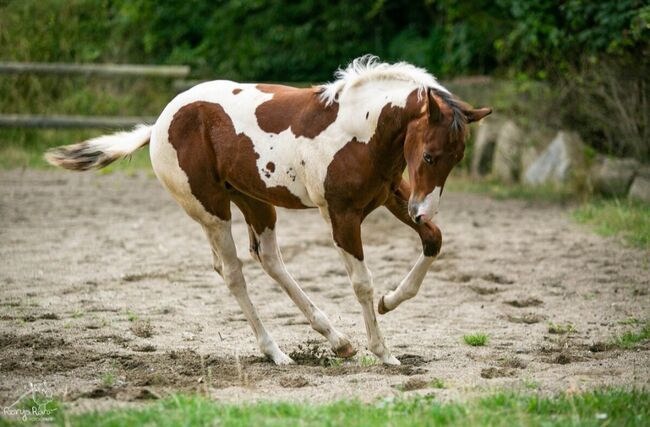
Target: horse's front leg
346, 231
431, 242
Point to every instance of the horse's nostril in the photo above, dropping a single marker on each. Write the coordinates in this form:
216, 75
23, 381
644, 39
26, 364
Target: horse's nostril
418, 219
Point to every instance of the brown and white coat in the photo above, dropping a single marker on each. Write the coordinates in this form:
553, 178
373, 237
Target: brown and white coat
340, 147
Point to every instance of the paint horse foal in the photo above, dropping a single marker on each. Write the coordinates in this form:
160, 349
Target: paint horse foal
341, 147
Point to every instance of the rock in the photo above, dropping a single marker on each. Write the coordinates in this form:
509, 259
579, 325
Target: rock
559, 162
484, 143
640, 189
507, 152
528, 156
613, 177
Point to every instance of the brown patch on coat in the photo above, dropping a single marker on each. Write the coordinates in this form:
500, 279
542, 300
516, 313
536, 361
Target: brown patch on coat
377, 167
221, 165
298, 109
236, 91
270, 166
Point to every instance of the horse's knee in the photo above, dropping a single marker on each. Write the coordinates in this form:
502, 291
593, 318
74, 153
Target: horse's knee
362, 285
431, 239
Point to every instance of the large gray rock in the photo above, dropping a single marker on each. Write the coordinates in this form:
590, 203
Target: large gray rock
640, 189
484, 144
507, 152
562, 160
613, 177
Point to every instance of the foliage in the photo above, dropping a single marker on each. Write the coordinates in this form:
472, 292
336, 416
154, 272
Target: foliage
593, 57
548, 35
612, 407
284, 40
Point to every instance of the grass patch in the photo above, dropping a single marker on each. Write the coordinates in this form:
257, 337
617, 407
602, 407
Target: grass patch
610, 407
108, 379
628, 219
367, 361
132, 315
629, 321
437, 383
500, 191
557, 328
631, 339
476, 340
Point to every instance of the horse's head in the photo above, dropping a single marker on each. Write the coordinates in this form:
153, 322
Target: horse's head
435, 143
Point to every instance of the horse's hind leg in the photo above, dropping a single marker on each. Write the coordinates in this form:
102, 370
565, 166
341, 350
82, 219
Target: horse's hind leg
225, 252
216, 225
261, 220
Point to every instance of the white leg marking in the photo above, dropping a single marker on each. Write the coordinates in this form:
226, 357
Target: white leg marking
271, 260
362, 284
410, 285
225, 252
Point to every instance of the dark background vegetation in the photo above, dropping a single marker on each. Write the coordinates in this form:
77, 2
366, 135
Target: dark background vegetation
578, 64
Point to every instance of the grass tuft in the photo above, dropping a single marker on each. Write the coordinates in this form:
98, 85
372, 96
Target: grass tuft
557, 328
477, 339
108, 379
631, 339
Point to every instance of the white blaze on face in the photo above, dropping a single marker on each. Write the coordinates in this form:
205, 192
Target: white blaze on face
428, 207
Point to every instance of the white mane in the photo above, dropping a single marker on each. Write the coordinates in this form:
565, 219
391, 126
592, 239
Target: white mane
369, 68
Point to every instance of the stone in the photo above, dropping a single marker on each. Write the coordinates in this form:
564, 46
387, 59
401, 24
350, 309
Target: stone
484, 143
640, 189
506, 164
613, 177
561, 161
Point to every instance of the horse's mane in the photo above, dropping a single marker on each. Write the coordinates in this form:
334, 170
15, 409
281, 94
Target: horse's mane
370, 68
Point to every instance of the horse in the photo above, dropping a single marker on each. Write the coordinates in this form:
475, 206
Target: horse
341, 147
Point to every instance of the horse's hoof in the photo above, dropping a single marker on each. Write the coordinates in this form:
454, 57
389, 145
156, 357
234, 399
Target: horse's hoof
282, 359
390, 360
381, 307
345, 351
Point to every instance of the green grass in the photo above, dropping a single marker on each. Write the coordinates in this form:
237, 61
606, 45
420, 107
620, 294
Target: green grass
132, 315
631, 339
108, 379
629, 321
558, 328
367, 361
501, 191
438, 383
606, 407
476, 340
630, 220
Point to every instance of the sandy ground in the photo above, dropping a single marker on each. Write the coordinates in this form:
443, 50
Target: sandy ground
108, 295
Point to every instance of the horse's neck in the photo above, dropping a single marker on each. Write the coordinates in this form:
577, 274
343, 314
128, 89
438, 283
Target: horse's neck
387, 107
376, 109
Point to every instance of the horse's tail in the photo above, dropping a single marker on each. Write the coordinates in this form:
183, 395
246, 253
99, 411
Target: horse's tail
98, 152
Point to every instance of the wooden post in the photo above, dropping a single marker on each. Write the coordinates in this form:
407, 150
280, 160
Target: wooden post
110, 70
70, 122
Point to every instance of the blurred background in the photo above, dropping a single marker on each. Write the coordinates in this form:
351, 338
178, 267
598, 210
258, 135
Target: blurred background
576, 66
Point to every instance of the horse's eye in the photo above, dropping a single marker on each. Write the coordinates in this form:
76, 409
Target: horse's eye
428, 158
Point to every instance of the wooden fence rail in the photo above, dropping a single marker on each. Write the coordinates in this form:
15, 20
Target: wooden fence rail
107, 70
70, 122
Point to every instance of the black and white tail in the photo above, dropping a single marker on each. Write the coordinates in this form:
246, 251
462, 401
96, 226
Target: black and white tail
98, 152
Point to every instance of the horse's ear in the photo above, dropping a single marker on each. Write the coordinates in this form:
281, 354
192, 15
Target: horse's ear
476, 114
434, 108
